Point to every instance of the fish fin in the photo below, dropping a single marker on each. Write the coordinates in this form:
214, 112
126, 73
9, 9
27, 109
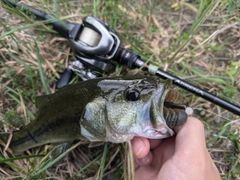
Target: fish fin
40, 100
95, 144
59, 149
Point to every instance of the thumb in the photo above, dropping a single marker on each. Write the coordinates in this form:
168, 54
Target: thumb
190, 136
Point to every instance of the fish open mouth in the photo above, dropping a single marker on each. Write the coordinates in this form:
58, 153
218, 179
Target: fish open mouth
173, 111
166, 110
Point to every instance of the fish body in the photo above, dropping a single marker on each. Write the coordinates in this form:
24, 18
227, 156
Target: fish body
103, 109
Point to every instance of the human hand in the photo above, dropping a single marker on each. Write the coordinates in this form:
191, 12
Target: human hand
183, 156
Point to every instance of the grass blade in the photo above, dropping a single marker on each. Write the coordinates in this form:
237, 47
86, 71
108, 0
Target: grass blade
41, 72
102, 166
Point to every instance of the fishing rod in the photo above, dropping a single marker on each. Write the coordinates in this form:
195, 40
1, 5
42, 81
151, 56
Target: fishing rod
95, 44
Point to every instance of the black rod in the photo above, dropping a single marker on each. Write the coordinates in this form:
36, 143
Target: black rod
199, 92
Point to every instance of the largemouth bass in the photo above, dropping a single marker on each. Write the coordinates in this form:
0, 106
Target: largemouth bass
103, 109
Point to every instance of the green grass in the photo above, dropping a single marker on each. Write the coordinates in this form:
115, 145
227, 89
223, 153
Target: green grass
197, 41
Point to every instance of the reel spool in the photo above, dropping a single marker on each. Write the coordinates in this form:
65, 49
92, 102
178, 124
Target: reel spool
90, 37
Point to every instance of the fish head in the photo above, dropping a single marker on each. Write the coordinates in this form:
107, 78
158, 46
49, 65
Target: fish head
130, 107
136, 108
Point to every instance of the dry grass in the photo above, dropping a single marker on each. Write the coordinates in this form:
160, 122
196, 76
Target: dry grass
209, 57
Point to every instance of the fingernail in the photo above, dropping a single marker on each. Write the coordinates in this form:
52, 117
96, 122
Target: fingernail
138, 145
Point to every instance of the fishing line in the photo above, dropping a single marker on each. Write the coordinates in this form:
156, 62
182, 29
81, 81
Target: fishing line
213, 113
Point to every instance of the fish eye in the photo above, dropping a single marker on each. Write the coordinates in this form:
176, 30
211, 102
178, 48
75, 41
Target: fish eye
132, 95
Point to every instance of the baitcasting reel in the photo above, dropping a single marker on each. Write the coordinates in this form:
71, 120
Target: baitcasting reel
94, 44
